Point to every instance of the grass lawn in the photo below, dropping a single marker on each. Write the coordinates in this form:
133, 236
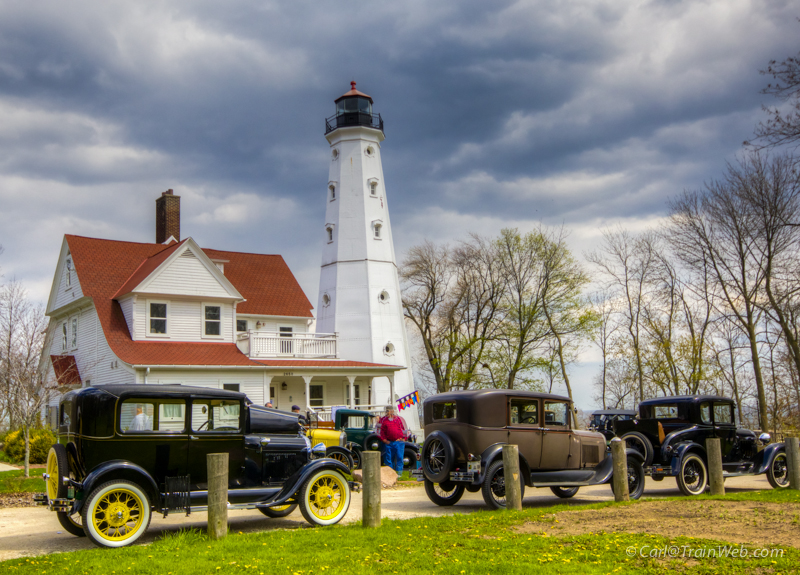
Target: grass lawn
14, 482
484, 542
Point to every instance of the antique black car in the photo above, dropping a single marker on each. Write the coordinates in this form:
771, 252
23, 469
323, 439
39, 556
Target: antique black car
465, 432
603, 420
670, 433
127, 451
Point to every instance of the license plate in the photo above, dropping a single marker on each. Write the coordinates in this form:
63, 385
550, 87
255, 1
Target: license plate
474, 466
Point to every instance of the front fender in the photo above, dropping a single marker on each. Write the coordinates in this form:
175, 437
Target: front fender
119, 469
293, 485
765, 457
491, 453
605, 469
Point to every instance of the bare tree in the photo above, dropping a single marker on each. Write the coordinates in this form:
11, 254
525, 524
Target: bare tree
782, 125
602, 334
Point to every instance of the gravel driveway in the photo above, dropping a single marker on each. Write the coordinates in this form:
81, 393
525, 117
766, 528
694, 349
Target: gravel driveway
35, 530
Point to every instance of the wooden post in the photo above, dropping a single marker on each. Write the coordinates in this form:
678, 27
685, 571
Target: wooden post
371, 501
714, 454
511, 473
793, 462
620, 477
217, 495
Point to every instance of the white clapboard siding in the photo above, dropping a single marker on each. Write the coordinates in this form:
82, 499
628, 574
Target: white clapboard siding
127, 310
186, 275
184, 320
66, 294
272, 325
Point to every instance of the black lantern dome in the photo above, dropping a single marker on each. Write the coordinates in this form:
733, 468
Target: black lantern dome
353, 108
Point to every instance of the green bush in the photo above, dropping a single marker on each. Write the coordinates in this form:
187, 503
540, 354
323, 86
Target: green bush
41, 440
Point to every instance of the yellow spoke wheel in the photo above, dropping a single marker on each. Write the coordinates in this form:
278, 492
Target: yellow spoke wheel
116, 514
279, 510
325, 498
57, 467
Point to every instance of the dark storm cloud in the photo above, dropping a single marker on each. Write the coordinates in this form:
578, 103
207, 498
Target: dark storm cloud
583, 113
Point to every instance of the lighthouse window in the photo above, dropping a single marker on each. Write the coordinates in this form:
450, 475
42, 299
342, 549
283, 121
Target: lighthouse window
329, 230
333, 192
377, 231
373, 188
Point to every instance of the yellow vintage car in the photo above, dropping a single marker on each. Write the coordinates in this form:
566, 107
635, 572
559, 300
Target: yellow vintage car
335, 443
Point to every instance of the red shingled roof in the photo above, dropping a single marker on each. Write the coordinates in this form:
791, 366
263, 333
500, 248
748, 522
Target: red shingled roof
66, 369
105, 266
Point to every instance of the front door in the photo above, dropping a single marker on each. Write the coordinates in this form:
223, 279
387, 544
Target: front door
524, 428
725, 430
216, 427
555, 435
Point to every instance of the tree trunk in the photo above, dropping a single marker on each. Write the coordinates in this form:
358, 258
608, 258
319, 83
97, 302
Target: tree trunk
27, 451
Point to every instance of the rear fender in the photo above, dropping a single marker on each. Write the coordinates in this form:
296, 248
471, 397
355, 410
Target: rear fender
765, 457
494, 452
293, 485
121, 470
681, 450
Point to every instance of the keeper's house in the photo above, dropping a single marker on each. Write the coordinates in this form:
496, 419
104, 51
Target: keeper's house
172, 312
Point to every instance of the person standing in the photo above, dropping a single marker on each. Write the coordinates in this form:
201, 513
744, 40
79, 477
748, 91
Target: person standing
141, 421
393, 434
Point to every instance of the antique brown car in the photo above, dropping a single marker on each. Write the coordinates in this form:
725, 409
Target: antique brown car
465, 432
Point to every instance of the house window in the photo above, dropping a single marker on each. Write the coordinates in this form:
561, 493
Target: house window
74, 337
317, 395
241, 325
157, 318
212, 320
357, 389
230, 386
69, 273
64, 336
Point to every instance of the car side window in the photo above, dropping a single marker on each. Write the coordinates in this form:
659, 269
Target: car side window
556, 414
705, 412
523, 412
215, 415
148, 415
444, 410
723, 413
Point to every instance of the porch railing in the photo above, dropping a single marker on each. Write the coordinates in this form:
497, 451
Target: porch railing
266, 344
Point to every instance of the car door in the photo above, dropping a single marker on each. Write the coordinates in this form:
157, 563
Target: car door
524, 428
153, 435
556, 434
725, 430
216, 427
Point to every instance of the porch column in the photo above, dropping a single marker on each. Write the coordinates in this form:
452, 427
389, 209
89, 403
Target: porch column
351, 380
267, 381
391, 390
307, 379
371, 384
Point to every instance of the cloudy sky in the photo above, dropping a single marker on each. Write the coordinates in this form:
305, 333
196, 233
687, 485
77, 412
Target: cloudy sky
587, 113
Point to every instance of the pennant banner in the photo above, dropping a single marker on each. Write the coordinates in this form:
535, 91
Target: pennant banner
408, 400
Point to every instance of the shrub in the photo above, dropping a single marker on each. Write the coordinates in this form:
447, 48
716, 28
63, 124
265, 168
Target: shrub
41, 440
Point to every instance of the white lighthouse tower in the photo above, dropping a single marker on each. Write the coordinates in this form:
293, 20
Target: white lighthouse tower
359, 291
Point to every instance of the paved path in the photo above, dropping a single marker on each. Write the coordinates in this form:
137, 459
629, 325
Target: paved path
6, 467
36, 531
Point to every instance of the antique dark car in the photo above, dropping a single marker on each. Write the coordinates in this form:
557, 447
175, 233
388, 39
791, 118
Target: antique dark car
603, 420
670, 433
465, 432
359, 426
125, 452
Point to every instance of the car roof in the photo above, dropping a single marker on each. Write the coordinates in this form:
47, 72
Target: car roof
684, 399
475, 394
353, 412
167, 390
614, 412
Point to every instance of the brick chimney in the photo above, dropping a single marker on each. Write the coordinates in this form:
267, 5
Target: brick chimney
168, 217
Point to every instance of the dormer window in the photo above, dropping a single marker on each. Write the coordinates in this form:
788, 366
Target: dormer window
157, 318
212, 320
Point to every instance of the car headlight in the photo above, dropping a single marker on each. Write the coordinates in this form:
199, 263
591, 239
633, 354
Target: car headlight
308, 442
342, 439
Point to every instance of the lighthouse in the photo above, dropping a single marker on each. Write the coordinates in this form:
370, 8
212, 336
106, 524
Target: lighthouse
359, 290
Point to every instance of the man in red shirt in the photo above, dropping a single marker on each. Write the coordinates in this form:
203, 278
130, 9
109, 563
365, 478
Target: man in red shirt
393, 435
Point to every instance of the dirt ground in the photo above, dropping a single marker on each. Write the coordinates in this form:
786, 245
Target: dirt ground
747, 522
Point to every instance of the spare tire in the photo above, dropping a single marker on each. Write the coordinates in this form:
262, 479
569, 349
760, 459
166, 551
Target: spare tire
438, 457
640, 443
372, 442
